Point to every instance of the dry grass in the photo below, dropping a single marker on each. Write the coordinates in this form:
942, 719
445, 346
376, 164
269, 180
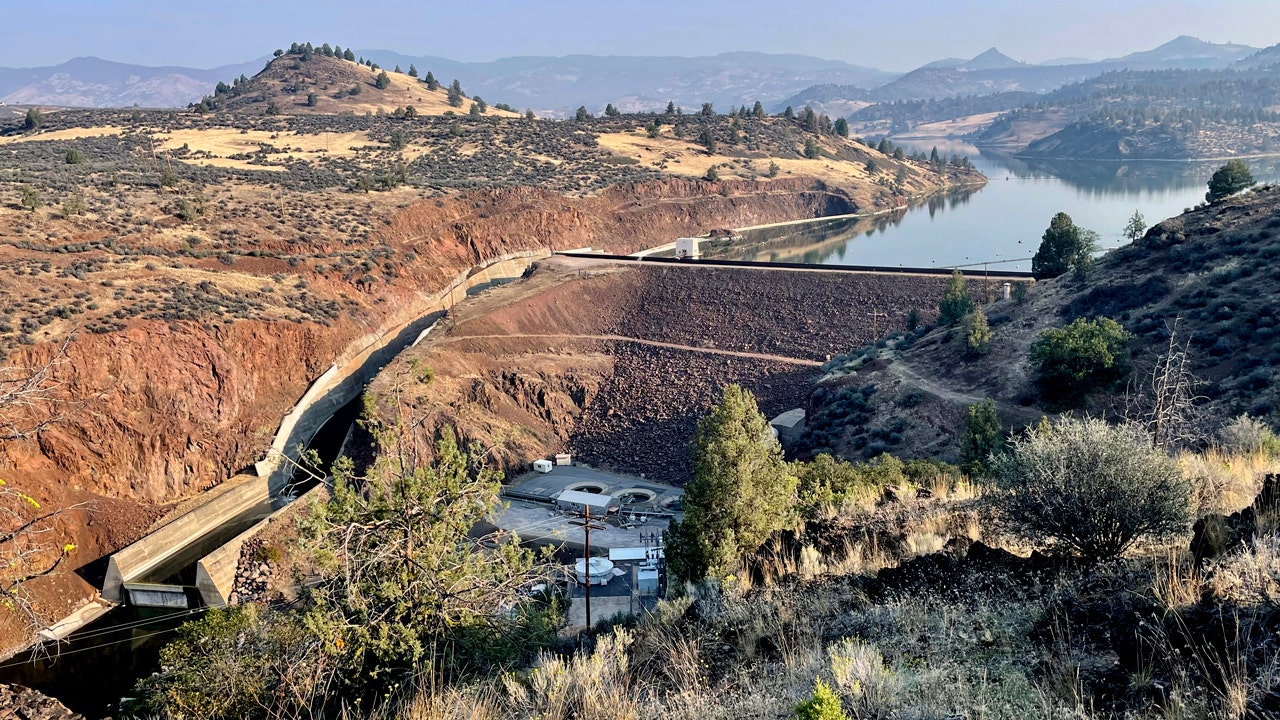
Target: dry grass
223, 143
1225, 481
681, 157
951, 128
68, 134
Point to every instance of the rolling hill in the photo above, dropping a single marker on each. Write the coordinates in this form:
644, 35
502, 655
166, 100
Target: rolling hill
296, 84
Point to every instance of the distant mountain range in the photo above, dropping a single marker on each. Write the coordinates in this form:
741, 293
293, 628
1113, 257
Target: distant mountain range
94, 82
555, 86
993, 72
558, 85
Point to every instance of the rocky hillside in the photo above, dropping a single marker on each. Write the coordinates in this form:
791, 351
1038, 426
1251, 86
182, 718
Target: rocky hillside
314, 83
1209, 272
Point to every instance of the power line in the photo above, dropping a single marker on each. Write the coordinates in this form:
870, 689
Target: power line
95, 647
134, 624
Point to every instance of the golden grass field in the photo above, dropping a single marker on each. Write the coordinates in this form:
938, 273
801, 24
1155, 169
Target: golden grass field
682, 157
68, 134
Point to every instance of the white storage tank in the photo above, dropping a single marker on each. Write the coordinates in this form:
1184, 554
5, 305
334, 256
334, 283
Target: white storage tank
601, 570
542, 466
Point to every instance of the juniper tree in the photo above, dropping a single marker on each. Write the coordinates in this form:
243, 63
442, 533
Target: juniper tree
742, 491
956, 301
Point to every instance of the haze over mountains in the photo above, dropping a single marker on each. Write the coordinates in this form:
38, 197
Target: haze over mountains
554, 86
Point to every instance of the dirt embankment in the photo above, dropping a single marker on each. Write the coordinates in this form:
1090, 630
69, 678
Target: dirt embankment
616, 362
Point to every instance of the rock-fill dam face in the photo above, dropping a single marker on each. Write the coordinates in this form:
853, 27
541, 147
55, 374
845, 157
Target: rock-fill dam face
616, 363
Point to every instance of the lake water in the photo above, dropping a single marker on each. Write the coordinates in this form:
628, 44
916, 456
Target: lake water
1000, 223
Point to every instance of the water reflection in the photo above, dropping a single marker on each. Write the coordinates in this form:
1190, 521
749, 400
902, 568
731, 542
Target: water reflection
1000, 223
818, 241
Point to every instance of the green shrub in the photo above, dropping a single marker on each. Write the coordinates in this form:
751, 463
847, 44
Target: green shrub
983, 437
822, 705
977, 333
1090, 488
1229, 180
1083, 357
956, 302
74, 157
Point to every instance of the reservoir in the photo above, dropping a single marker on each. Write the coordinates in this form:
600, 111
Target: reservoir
1001, 223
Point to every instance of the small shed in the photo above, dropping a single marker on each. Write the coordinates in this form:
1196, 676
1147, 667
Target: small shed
788, 426
578, 501
687, 248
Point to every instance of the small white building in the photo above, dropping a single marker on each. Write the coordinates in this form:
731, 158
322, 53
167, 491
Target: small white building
687, 248
578, 501
542, 466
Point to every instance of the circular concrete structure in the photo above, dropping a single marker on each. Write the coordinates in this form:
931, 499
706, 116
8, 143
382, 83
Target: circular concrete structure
594, 488
599, 574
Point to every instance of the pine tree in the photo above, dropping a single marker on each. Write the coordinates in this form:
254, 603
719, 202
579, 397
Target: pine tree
842, 127
789, 113
977, 333
742, 491
611, 111
1063, 246
757, 111
812, 149
1136, 226
348, 55
33, 120
956, 302
983, 436
413, 70
582, 115
708, 110
383, 82
432, 83
1229, 180
398, 70
455, 94
671, 107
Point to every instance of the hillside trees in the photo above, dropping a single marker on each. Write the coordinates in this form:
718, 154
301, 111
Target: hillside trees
432, 83
977, 333
1229, 180
383, 81
1083, 357
1090, 488
1064, 246
742, 491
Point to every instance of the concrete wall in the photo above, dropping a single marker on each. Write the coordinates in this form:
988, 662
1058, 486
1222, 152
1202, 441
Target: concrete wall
216, 572
342, 382
334, 388
143, 556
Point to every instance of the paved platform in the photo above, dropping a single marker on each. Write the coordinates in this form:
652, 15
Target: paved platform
541, 524
544, 487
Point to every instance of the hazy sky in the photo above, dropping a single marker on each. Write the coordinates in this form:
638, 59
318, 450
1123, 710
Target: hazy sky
889, 34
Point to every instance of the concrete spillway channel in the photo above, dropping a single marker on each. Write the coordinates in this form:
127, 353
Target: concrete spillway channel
192, 560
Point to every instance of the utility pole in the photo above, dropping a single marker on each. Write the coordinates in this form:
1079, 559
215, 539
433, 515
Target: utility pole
587, 526
875, 316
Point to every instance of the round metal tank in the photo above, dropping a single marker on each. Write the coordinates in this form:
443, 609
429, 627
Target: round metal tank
601, 571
